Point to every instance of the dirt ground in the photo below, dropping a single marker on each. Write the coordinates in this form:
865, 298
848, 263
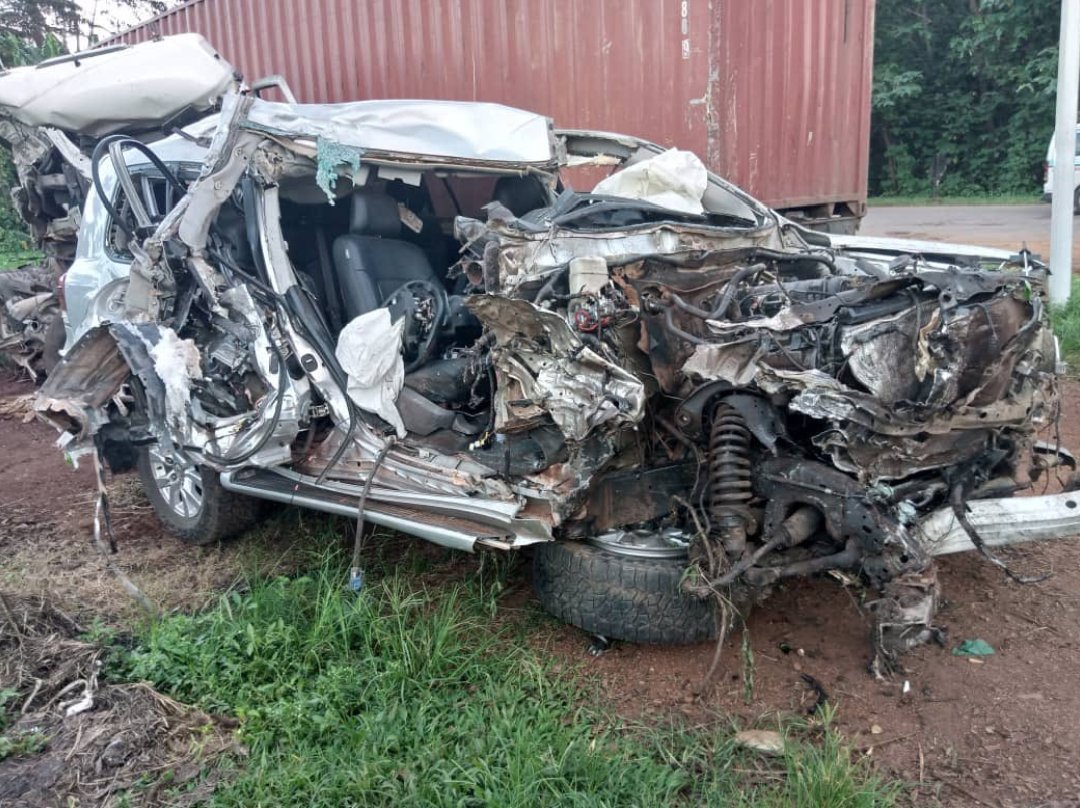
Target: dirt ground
1007, 227
1003, 731
46, 523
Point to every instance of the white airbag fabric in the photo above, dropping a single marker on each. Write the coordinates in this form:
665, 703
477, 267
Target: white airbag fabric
675, 180
369, 351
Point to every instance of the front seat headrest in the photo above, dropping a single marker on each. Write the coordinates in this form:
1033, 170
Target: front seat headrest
374, 214
520, 194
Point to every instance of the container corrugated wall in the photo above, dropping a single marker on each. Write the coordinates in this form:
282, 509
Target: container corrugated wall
774, 93
792, 97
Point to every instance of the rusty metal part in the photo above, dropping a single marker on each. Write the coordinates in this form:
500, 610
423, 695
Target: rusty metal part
803, 523
847, 558
847, 511
637, 495
760, 415
730, 489
903, 617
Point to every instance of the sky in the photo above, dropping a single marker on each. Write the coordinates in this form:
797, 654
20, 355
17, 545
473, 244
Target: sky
110, 13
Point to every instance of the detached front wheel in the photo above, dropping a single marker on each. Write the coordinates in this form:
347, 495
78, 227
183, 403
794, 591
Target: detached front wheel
626, 590
189, 499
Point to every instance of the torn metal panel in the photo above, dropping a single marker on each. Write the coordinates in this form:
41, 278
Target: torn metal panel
525, 258
904, 618
733, 362
547, 369
28, 145
225, 161
68, 150
75, 400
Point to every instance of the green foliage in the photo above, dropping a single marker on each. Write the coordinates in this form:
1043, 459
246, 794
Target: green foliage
32, 30
16, 742
1066, 322
22, 742
16, 51
403, 696
963, 99
923, 200
6, 695
16, 247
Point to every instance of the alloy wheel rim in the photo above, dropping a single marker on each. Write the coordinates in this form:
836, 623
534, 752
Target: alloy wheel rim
667, 543
178, 481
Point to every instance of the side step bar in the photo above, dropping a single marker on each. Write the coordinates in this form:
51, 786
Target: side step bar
1001, 522
449, 531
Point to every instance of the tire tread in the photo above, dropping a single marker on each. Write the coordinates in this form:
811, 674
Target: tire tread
619, 597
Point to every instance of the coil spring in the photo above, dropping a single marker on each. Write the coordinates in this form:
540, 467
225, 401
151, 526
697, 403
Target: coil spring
729, 475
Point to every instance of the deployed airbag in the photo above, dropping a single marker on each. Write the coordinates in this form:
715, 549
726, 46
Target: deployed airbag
675, 180
376, 373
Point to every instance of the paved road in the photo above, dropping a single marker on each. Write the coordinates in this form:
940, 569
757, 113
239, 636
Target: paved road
1006, 226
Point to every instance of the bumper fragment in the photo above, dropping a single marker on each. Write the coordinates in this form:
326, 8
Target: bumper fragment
1001, 522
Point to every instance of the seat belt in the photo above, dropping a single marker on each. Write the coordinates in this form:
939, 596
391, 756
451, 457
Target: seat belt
326, 269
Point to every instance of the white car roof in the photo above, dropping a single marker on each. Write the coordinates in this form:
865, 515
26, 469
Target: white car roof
128, 89
450, 130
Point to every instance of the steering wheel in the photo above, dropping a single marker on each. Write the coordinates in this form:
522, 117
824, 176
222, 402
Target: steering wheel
423, 304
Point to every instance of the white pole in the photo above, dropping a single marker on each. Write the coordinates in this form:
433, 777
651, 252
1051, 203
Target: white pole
1061, 214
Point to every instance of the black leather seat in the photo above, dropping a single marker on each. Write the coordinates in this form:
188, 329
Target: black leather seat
371, 260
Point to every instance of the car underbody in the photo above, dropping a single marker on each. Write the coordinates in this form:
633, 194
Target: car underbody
692, 378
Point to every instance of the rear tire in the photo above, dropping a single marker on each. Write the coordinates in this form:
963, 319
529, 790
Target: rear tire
192, 505
618, 596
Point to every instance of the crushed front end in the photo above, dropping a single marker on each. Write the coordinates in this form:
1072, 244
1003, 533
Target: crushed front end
662, 369
801, 407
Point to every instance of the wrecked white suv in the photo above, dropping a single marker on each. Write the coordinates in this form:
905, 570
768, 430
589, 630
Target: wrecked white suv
408, 311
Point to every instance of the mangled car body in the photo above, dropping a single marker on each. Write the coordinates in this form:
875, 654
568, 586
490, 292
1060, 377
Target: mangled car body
63, 108
403, 311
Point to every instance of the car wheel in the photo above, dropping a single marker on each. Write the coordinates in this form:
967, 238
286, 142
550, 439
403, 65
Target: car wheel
1076, 201
189, 499
621, 593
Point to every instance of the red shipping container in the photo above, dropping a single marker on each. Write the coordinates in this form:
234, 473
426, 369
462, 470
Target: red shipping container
773, 94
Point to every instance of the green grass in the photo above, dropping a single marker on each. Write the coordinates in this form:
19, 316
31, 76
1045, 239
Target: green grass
22, 743
1066, 322
17, 257
920, 201
403, 695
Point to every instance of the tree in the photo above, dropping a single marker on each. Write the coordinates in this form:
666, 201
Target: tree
33, 30
963, 95
108, 17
